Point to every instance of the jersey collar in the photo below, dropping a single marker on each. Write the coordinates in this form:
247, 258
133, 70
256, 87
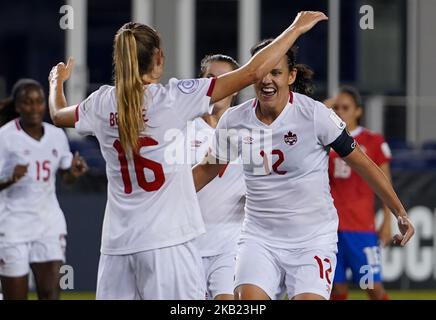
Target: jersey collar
278, 120
29, 138
291, 100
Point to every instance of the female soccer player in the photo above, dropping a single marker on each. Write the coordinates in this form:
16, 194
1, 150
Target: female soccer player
152, 214
289, 234
32, 225
222, 201
354, 200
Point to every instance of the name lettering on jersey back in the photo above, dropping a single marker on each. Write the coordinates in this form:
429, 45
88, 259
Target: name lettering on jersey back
113, 118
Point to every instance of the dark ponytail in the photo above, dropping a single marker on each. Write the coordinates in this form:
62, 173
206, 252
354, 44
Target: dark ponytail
304, 81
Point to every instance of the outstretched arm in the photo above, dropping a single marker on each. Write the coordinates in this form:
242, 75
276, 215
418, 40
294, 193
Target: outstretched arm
374, 176
265, 60
60, 113
385, 231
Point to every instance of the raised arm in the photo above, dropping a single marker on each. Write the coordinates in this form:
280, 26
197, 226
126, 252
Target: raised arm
262, 62
374, 176
60, 113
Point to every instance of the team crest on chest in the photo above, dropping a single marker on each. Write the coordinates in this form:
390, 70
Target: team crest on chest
55, 153
290, 138
26, 152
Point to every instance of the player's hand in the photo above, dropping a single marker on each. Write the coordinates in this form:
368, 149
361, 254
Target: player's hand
385, 234
61, 72
19, 172
306, 20
407, 231
78, 166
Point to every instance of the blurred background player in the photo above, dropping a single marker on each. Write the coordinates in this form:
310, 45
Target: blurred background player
222, 201
152, 216
32, 225
354, 200
289, 234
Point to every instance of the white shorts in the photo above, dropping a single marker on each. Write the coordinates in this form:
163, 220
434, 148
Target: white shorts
293, 271
172, 273
220, 273
15, 258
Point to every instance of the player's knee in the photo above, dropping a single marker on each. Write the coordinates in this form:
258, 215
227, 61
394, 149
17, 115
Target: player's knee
225, 297
48, 293
308, 296
250, 292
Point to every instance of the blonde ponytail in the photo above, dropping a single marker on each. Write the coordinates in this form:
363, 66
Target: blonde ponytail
135, 46
129, 90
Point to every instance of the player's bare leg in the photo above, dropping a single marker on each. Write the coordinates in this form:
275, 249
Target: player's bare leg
47, 278
225, 297
308, 296
250, 292
378, 293
15, 288
340, 291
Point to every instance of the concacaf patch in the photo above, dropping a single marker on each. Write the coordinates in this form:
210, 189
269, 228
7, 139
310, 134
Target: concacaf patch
338, 121
188, 86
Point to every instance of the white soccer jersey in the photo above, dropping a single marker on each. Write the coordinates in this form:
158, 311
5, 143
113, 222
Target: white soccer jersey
288, 196
2, 203
151, 198
221, 201
31, 208
2, 197
3, 177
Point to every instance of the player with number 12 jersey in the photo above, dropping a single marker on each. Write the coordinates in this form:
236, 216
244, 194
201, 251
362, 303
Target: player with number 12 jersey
288, 239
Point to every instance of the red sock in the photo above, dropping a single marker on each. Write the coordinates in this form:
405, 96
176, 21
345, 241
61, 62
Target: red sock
343, 296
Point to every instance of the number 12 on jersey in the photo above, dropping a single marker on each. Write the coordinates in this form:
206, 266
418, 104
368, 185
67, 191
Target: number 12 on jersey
140, 163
